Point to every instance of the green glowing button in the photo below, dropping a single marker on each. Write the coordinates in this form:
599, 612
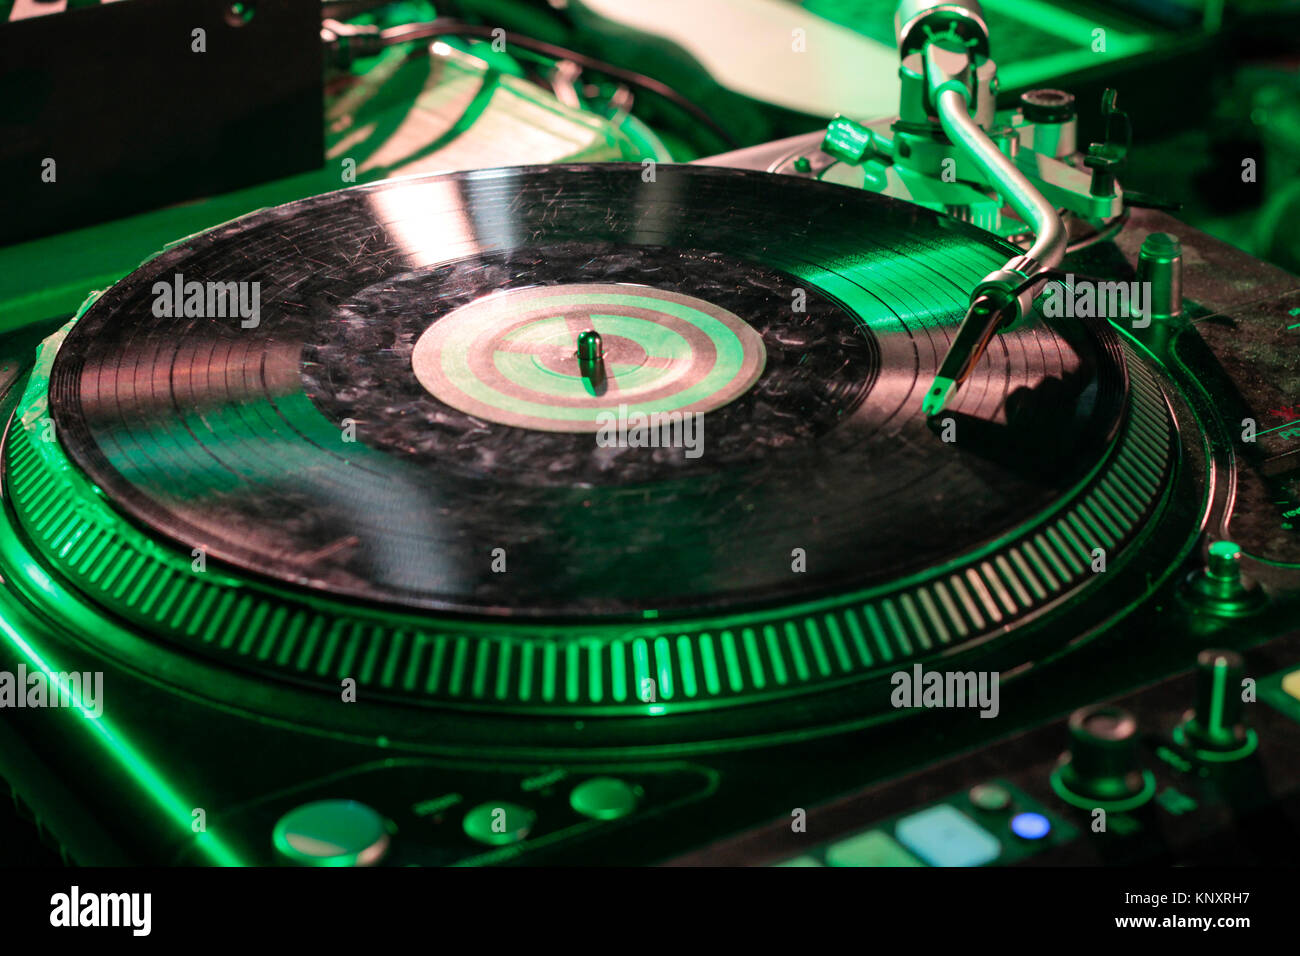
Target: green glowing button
332, 833
1224, 558
604, 798
989, 796
873, 848
804, 860
498, 823
944, 836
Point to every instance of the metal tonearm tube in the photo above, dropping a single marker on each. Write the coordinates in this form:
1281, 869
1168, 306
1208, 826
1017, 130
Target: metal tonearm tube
1020, 194
958, 81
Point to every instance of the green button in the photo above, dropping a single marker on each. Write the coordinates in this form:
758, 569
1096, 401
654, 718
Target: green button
804, 860
873, 848
498, 824
1291, 684
604, 798
332, 833
989, 796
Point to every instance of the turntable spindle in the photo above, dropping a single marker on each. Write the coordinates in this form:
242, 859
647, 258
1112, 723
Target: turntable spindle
591, 355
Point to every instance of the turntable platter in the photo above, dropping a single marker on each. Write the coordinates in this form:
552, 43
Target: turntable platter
414, 450
408, 417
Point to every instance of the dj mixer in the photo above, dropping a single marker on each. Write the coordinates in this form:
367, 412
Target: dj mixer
899, 490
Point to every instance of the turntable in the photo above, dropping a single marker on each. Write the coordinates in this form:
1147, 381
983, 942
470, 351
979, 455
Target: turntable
409, 427
540, 514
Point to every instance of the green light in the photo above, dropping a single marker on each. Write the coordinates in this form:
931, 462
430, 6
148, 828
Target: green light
1225, 549
774, 654
571, 672
526, 673
990, 796
664, 660
1218, 690
332, 833
689, 686
135, 763
732, 662
595, 691
796, 652
710, 662
751, 655
1249, 742
604, 798
548, 672
819, 651
688, 664
1110, 806
641, 663
498, 824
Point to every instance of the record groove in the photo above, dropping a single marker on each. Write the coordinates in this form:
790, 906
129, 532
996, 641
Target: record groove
236, 440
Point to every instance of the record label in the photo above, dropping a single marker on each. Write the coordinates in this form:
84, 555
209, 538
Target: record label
512, 358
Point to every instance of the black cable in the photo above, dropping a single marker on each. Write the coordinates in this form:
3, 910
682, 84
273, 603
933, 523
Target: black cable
1109, 230
446, 27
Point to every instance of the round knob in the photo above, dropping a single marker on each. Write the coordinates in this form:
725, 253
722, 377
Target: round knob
1160, 265
1223, 561
499, 823
332, 833
1215, 728
1047, 106
1220, 588
1102, 768
605, 798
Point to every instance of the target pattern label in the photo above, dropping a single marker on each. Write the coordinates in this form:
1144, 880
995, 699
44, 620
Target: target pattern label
511, 358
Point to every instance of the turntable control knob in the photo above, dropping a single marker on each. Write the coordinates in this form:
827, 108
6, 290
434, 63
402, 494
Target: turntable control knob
1102, 767
1047, 106
1215, 728
1160, 266
1223, 561
1053, 114
1220, 588
332, 833
499, 823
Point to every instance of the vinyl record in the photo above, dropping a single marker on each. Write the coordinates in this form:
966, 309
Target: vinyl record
375, 393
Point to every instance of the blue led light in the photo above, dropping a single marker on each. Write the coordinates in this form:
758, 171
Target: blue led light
1030, 826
